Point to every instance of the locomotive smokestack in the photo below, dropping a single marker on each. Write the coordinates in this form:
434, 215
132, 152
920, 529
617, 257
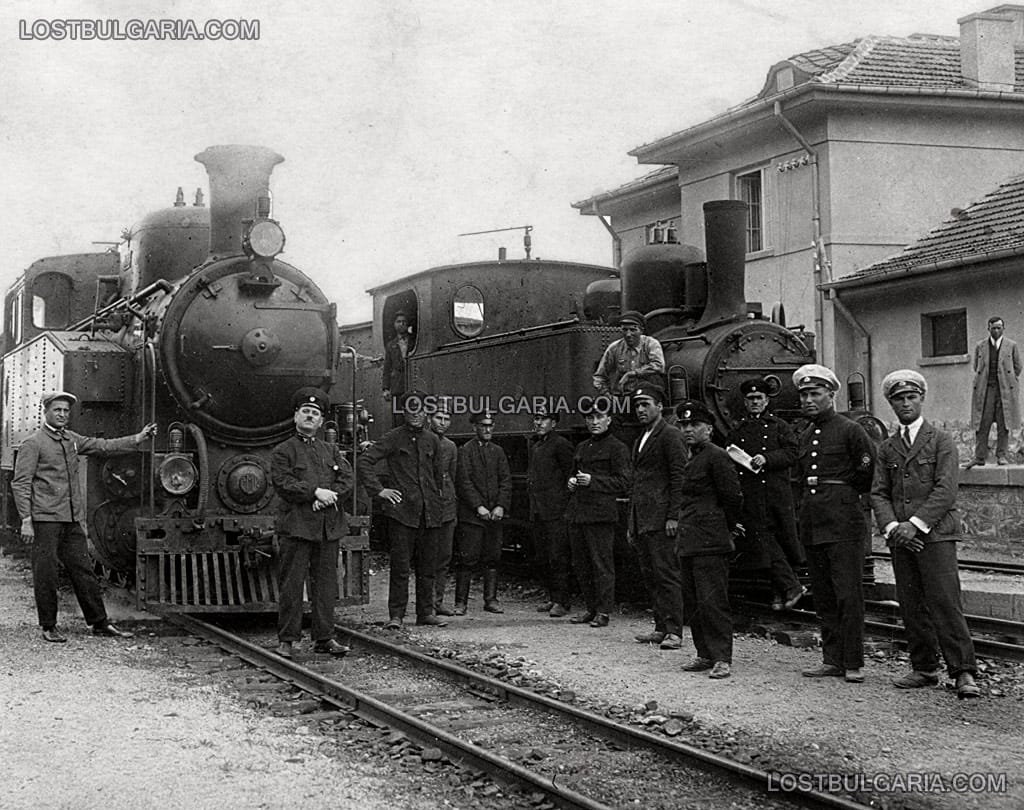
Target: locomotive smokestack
239, 175
725, 237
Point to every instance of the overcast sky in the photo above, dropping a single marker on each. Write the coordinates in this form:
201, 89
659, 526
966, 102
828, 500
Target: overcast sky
402, 123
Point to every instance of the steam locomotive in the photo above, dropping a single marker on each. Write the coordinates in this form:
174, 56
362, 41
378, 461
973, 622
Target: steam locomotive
198, 326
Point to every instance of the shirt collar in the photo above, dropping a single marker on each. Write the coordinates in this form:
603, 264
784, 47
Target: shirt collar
997, 343
914, 426
58, 433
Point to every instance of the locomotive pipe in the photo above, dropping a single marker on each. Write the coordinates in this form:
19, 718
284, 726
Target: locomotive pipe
145, 292
725, 229
239, 176
355, 432
204, 466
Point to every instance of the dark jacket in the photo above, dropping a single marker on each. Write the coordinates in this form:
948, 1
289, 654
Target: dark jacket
606, 459
547, 476
46, 484
657, 489
484, 479
712, 503
920, 482
297, 468
768, 494
835, 466
393, 377
415, 468
450, 465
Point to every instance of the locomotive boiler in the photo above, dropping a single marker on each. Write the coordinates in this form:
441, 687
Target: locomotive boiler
206, 331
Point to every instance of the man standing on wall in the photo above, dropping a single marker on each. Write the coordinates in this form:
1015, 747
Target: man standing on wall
997, 367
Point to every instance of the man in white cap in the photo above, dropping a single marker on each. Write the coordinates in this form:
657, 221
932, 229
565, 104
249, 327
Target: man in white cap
835, 467
48, 494
914, 498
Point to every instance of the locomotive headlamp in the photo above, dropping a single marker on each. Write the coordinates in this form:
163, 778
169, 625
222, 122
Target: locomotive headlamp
178, 474
264, 239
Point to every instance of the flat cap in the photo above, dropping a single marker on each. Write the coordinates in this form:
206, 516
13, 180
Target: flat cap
756, 385
812, 375
901, 381
54, 395
313, 397
634, 317
414, 401
600, 405
655, 392
482, 418
542, 410
692, 411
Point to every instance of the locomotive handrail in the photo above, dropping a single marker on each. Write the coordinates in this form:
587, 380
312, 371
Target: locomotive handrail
150, 355
485, 338
145, 292
355, 431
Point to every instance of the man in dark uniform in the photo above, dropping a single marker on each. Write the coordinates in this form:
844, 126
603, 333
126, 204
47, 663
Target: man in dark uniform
413, 505
394, 377
48, 495
914, 497
440, 420
659, 458
550, 465
601, 475
312, 480
710, 516
768, 514
484, 486
835, 466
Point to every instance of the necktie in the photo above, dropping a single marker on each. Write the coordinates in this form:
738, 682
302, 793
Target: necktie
906, 437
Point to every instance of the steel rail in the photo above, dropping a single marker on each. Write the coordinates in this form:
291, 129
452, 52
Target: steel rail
996, 566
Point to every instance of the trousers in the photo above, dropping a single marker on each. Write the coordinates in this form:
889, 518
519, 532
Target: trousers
837, 571
705, 581
992, 411
593, 557
659, 566
316, 561
64, 543
552, 556
412, 547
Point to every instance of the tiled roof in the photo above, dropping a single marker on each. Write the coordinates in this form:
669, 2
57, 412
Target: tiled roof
654, 178
992, 225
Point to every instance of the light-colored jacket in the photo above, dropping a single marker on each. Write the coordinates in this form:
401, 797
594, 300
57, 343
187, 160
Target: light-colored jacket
1009, 370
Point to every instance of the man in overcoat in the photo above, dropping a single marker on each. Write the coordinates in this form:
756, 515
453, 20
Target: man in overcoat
768, 512
600, 476
313, 481
548, 471
835, 467
413, 505
709, 517
658, 458
997, 367
484, 487
914, 498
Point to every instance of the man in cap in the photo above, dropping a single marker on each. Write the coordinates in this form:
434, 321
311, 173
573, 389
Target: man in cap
600, 476
414, 506
484, 487
709, 518
656, 497
549, 467
997, 367
768, 513
835, 466
632, 359
313, 481
440, 420
914, 498
393, 377
48, 495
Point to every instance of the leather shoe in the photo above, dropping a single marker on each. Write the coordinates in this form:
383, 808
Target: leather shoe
558, 611
583, 618
1001, 461
854, 676
671, 642
331, 647
792, 600
777, 603
545, 607
110, 631
600, 620
916, 680
654, 637
973, 463
824, 671
394, 623
460, 609
698, 664
51, 634
966, 687
493, 607
432, 621
443, 611
720, 670
284, 649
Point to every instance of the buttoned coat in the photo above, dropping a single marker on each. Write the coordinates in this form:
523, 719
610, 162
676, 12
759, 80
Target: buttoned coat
918, 482
393, 376
712, 503
1009, 372
606, 460
46, 485
657, 489
415, 468
298, 468
547, 476
484, 479
450, 465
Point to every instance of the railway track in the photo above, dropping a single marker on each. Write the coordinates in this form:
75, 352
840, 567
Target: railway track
990, 566
502, 730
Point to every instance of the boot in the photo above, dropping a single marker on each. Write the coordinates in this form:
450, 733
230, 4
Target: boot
491, 591
462, 580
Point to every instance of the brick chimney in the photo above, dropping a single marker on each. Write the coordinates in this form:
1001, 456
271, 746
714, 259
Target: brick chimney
987, 42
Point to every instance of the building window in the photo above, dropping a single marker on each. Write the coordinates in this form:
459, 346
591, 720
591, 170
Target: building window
944, 334
749, 188
664, 231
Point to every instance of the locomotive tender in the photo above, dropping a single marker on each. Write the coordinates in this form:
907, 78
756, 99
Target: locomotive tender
199, 327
